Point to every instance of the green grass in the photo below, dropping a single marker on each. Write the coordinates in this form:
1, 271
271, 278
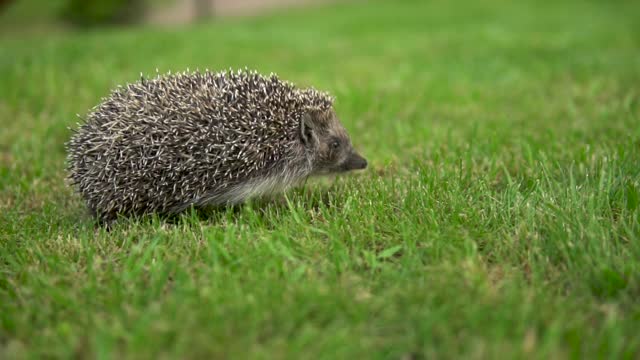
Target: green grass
499, 216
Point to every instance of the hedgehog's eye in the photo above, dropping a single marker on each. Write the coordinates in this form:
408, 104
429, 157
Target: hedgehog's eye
335, 144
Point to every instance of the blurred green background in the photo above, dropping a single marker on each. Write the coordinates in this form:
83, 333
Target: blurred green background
499, 217
92, 13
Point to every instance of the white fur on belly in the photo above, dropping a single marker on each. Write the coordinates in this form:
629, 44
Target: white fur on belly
251, 189
256, 188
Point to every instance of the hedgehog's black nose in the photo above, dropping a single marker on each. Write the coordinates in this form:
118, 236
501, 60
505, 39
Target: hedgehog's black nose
355, 162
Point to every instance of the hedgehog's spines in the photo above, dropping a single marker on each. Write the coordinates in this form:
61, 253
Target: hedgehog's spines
187, 138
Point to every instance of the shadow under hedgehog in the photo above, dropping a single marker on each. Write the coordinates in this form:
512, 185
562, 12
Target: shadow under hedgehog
195, 139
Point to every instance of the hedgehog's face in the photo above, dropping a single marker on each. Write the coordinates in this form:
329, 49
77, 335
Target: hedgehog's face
328, 144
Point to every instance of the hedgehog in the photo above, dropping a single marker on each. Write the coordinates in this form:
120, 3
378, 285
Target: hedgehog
199, 139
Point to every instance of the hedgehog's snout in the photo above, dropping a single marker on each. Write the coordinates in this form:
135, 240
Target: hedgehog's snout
355, 162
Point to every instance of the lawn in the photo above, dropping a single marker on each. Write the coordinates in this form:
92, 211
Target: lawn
499, 216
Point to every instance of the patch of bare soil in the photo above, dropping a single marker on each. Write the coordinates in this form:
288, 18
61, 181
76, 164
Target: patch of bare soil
185, 11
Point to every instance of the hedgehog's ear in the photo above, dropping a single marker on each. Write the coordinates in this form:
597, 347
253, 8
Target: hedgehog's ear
306, 129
